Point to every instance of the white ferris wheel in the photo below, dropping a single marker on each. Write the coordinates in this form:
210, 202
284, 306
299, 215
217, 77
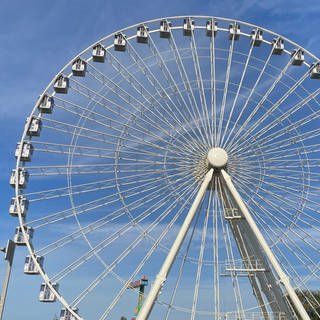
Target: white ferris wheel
185, 151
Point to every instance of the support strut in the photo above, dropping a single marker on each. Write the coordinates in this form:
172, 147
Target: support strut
264, 246
165, 269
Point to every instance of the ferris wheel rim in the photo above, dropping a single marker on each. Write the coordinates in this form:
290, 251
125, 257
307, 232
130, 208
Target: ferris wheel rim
24, 136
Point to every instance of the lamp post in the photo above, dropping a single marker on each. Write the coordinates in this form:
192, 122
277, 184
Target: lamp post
9, 253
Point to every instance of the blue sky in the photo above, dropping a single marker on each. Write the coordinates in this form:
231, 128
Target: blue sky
38, 37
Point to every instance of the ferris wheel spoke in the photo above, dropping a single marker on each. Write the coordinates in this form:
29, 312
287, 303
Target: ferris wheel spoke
102, 221
284, 214
146, 257
289, 113
93, 96
175, 90
181, 268
264, 98
88, 187
292, 246
310, 298
232, 137
120, 232
213, 91
260, 120
280, 135
292, 128
100, 136
152, 79
127, 251
225, 92
92, 227
200, 259
160, 110
279, 146
203, 101
231, 256
187, 85
129, 98
95, 168
231, 113
92, 152
303, 138
152, 138
280, 197
101, 202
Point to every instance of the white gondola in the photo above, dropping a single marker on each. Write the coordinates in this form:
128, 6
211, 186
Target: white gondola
19, 238
34, 126
23, 177
46, 104
211, 28
165, 27
61, 84
188, 26
98, 53
256, 37
297, 57
278, 46
120, 42
66, 314
46, 295
315, 71
142, 34
79, 67
22, 202
25, 151
30, 267
234, 31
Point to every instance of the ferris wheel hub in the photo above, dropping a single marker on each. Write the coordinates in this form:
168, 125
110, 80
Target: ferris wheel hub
217, 158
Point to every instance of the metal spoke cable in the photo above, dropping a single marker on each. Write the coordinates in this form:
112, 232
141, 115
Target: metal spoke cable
231, 113
273, 107
151, 77
117, 234
98, 224
91, 134
225, 92
89, 206
230, 254
285, 214
146, 257
199, 78
187, 85
200, 259
213, 90
181, 268
126, 127
229, 140
174, 88
280, 253
259, 134
65, 191
127, 251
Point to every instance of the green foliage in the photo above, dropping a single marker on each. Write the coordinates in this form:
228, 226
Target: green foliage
311, 302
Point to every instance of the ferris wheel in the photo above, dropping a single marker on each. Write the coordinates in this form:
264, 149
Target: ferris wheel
182, 151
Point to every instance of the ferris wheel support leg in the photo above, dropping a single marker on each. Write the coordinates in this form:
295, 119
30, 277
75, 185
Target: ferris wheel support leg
165, 269
265, 247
